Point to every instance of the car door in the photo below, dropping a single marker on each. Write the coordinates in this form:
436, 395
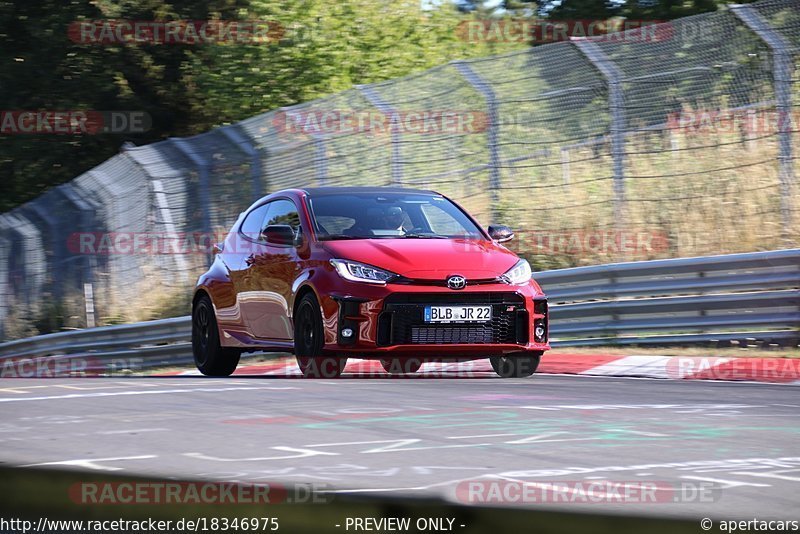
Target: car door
270, 271
237, 247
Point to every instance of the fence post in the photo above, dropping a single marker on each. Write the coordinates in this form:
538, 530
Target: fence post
43, 219
616, 105
84, 221
565, 165
320, 155
244, 144
320, 160
381, 105
782, 67
5, 298
202, 165
480, 85
162, 204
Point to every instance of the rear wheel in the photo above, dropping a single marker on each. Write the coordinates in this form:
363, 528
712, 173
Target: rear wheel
309, 337
210, 357
399, 366
517, 364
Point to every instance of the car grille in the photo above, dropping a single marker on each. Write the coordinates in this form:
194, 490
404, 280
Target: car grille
402, 320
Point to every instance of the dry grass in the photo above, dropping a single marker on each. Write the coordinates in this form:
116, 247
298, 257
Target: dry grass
693, 201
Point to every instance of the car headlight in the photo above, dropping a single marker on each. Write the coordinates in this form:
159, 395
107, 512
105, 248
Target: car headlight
519, 274
361, 272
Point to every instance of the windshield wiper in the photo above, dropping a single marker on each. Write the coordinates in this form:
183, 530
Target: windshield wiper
424, 236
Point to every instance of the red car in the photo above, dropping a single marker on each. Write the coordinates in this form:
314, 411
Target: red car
399, 275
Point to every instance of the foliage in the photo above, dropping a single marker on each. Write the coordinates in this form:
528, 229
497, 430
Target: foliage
326, 47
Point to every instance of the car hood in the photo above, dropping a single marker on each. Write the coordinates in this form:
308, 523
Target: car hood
428, 259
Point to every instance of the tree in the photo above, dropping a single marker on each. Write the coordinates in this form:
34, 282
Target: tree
187, 89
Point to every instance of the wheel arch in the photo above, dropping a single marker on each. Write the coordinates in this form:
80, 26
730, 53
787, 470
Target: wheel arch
301, 292
199, 292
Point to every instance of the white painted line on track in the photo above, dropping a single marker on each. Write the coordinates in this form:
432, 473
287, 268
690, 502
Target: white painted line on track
147, 392
778, 475
481, 436
301, 453
726, 484
132, 431
21, 389
92, 463
408, 488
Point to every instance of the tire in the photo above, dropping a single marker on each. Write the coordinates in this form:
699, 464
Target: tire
309, 337
210, 357
517, 364
400, 366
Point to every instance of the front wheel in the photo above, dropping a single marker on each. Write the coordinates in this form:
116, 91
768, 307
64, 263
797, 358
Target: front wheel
309, 336
210, 357
517, 364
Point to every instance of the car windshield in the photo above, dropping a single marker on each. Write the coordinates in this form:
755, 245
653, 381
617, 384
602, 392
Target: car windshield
379, 215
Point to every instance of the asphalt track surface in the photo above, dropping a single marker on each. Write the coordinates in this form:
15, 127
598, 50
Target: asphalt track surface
727, 450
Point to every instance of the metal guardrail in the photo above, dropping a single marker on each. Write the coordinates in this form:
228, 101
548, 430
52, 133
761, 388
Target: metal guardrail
743, 297
752, 297
147, 344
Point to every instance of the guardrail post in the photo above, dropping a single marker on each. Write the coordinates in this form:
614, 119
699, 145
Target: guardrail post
381, 105
480, 85
244, 144
88, 298
616, 106
782, 68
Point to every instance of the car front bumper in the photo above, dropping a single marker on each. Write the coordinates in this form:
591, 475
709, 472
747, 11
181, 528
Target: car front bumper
389, 320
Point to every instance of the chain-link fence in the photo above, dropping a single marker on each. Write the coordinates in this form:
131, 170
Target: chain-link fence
672, 140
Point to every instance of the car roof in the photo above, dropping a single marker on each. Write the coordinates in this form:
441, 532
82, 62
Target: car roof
322, 191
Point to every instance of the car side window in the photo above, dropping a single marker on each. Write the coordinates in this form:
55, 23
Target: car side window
252, 224
282, 212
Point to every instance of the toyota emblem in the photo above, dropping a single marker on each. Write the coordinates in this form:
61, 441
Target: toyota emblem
456, 282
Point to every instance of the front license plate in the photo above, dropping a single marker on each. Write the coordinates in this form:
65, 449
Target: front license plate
458, 314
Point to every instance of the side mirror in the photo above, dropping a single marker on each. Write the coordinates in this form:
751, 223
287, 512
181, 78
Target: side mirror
500, 233
278, 234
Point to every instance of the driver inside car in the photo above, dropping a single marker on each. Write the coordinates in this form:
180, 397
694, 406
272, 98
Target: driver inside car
379, 221
394, 218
